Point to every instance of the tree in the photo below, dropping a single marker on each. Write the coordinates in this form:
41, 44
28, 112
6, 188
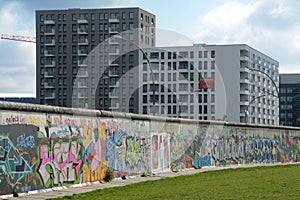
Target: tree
298, 121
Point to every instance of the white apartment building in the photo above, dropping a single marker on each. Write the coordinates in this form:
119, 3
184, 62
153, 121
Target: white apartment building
234, 83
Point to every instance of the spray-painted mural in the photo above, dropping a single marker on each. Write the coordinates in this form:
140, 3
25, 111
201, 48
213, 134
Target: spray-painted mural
40, 151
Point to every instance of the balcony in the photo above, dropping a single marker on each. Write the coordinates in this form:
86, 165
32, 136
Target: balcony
113, 20
50, 42
50, 64
114, 106
244, 68
244, 80
113, 41
244, 91
82, 31
244, 58
113, 95
82, 85
50, 95
49, 74
113, 30
82, 21
82, 74
82, 63
50, 31
113, 73
49, 21
244, 102
49, 84
48, 53
115, 85
82, 52
115, 53
83, 42
82, 96
113, 62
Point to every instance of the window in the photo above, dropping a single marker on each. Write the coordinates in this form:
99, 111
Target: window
205, 64
101, 16
205, 54
131, 26
212, 54
131, 15
200, 54
131, 58
191, 54
200, 65
213, 63
123, 26
73, 17
154, 55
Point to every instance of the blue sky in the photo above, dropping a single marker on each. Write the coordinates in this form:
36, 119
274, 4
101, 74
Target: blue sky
271, 26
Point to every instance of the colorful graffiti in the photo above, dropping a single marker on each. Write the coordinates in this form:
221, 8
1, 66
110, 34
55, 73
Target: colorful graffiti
40, 151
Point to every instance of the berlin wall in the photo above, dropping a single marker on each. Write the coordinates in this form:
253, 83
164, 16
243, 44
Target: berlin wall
43, 147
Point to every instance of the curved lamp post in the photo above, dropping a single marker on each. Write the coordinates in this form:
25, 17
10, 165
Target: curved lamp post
273, 82
149, 63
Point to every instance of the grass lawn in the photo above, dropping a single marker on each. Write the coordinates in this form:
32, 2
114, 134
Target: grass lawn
274, 182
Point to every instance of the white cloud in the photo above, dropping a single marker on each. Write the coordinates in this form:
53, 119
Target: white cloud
17, 64
272, 27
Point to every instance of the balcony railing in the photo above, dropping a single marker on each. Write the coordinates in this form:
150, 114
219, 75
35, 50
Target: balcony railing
49, 21
50, 31
50, 64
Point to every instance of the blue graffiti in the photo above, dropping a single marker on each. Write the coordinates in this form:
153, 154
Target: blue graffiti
23, 141
202, 162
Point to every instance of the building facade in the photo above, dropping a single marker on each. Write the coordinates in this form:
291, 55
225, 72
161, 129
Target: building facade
289, 85
82, 54
235, 83
18, 97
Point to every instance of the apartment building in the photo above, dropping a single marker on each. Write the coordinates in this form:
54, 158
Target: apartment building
289, 85
235, 83
79, 59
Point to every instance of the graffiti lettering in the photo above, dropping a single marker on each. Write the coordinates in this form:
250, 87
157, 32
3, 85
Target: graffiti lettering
23, 141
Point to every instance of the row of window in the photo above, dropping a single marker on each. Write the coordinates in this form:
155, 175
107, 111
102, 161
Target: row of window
202, 98
180, 54
180, 65
91, 16
176, 76
178, 110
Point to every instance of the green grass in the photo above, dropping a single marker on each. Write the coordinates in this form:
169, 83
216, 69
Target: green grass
274, 182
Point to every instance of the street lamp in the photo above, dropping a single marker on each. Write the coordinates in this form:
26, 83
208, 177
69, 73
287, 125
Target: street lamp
150, 66
273, 82
252, 101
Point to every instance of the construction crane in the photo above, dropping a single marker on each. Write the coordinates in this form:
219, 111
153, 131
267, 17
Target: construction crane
18, 38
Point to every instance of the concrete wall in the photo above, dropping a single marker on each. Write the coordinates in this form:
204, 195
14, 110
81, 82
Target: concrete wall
43, 147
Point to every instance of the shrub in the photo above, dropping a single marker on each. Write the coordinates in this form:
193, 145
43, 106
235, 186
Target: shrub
109, 175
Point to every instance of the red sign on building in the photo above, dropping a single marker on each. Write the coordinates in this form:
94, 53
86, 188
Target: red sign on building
206, 83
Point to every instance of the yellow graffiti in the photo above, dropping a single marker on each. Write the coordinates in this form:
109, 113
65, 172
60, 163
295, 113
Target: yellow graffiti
87, 136
102, 131
36, 120
97, 175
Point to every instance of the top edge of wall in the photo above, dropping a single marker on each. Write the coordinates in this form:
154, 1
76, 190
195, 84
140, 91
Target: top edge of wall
25, 107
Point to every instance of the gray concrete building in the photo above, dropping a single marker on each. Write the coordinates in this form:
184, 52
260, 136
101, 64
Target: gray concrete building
79, 59
235, 83
289, 85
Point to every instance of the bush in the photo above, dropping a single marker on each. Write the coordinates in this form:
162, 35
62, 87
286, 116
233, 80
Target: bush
109, 175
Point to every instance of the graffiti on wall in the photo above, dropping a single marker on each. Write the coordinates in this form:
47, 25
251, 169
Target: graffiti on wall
41, 151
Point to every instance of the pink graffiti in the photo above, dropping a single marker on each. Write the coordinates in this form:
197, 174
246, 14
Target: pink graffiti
113, 126
63, 161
